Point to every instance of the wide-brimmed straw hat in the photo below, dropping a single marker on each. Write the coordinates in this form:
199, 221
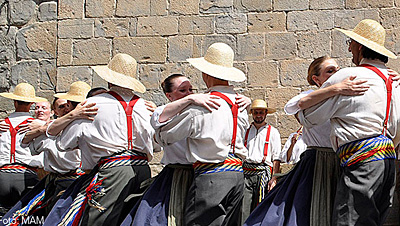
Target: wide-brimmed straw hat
77, 92
121, 71
24, 92
371, 34
218, 63
261, 104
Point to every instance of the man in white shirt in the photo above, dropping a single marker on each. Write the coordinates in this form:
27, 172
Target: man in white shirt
264, 144
17, 165
365, 130
117, 145
294, 147
214, 142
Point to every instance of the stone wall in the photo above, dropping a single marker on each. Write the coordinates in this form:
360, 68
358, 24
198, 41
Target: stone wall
51, 44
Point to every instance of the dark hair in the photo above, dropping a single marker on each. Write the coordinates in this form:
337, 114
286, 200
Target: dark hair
54, 103
368, 53
168, 82
94, 91
315, 69
20, 102
73, 103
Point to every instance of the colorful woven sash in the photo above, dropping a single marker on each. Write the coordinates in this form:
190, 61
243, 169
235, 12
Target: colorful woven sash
95, 190
14, 168
258, 169
366, 150
231, 163
34, 204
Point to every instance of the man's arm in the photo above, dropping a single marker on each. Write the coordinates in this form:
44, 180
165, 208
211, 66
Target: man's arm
35, 129
275, 170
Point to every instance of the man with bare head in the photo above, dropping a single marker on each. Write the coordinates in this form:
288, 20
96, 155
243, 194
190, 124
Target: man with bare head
43, 111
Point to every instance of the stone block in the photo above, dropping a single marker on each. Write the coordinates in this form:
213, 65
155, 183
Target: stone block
158, 7
25, 71
4, 77
290, 5
47, 74
131, 8
231, 24
76, 28
328, 4
3, 14
37, 41
294, 72
264, 74
150, 26
349, 19
280, 45
310, 20
393, 40
314, 44
47, 11
21, 11
266, 22
255, 93
6, 105
339, 46
184, 7
111, 27
250, 47
67, 75
362, 4
70, 9
278, 97
48, 94
7, 44
197, 25
133, 27
287, 124
64, 52
97, 81
143, 49
390, 18
197, 42
150, 75
211, 39
256, 5
216, 6
180, 48
99, 8
91, 51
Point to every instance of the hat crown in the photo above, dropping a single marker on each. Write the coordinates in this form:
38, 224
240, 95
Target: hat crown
220, 54
79, 88
371, 30
259, 104
123, 64
24, 90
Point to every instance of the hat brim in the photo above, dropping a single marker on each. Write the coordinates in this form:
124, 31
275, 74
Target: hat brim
24, 99
269, 110
119, 79
69, 97
225, 73
370, 44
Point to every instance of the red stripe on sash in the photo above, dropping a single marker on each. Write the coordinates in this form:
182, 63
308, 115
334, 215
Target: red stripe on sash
128, 108
13, 133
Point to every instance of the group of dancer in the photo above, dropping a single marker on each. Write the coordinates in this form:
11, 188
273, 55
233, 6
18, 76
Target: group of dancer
90, 165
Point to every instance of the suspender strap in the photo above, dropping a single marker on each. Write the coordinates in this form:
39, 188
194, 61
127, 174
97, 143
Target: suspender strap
246, 137
13, 133
235, 110
128, 111
266, 143
388, 83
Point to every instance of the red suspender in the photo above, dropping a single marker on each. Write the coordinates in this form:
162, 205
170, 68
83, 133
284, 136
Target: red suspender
128, 111
235, 110
266, 143
388, 83
13, 133
246, 137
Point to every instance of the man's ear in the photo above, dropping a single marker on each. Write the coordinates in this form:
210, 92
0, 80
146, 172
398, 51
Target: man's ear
315, 79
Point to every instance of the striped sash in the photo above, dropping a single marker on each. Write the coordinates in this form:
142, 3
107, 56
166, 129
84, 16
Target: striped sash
15, 168
259, 169
366, 150
231, 163
34, 204
95, 190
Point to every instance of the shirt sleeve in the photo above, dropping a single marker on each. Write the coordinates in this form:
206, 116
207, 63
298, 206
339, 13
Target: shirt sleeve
68, 139
276, 144
286, 147
292, 106
38, 145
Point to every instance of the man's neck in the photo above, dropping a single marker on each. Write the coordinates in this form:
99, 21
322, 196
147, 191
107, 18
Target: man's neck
259, 125
22, 109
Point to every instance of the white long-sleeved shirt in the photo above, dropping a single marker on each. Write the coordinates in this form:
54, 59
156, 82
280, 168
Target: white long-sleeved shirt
298, 149
107, 134
256, 143
174, 153
22, 154
208, 134
357, 117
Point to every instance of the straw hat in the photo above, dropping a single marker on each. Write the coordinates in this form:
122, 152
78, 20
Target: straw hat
77, 92
371, 34
261, 104
218, 63
24, 92
121, 71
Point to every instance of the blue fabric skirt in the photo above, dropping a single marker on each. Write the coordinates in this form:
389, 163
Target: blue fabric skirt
289, 202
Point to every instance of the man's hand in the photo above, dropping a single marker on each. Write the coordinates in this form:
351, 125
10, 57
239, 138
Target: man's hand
4, 127
243, 102
349, 87
205, 100
84, 111
150, 105
271, 183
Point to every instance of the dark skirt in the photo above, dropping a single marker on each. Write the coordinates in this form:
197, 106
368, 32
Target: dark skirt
289, 202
